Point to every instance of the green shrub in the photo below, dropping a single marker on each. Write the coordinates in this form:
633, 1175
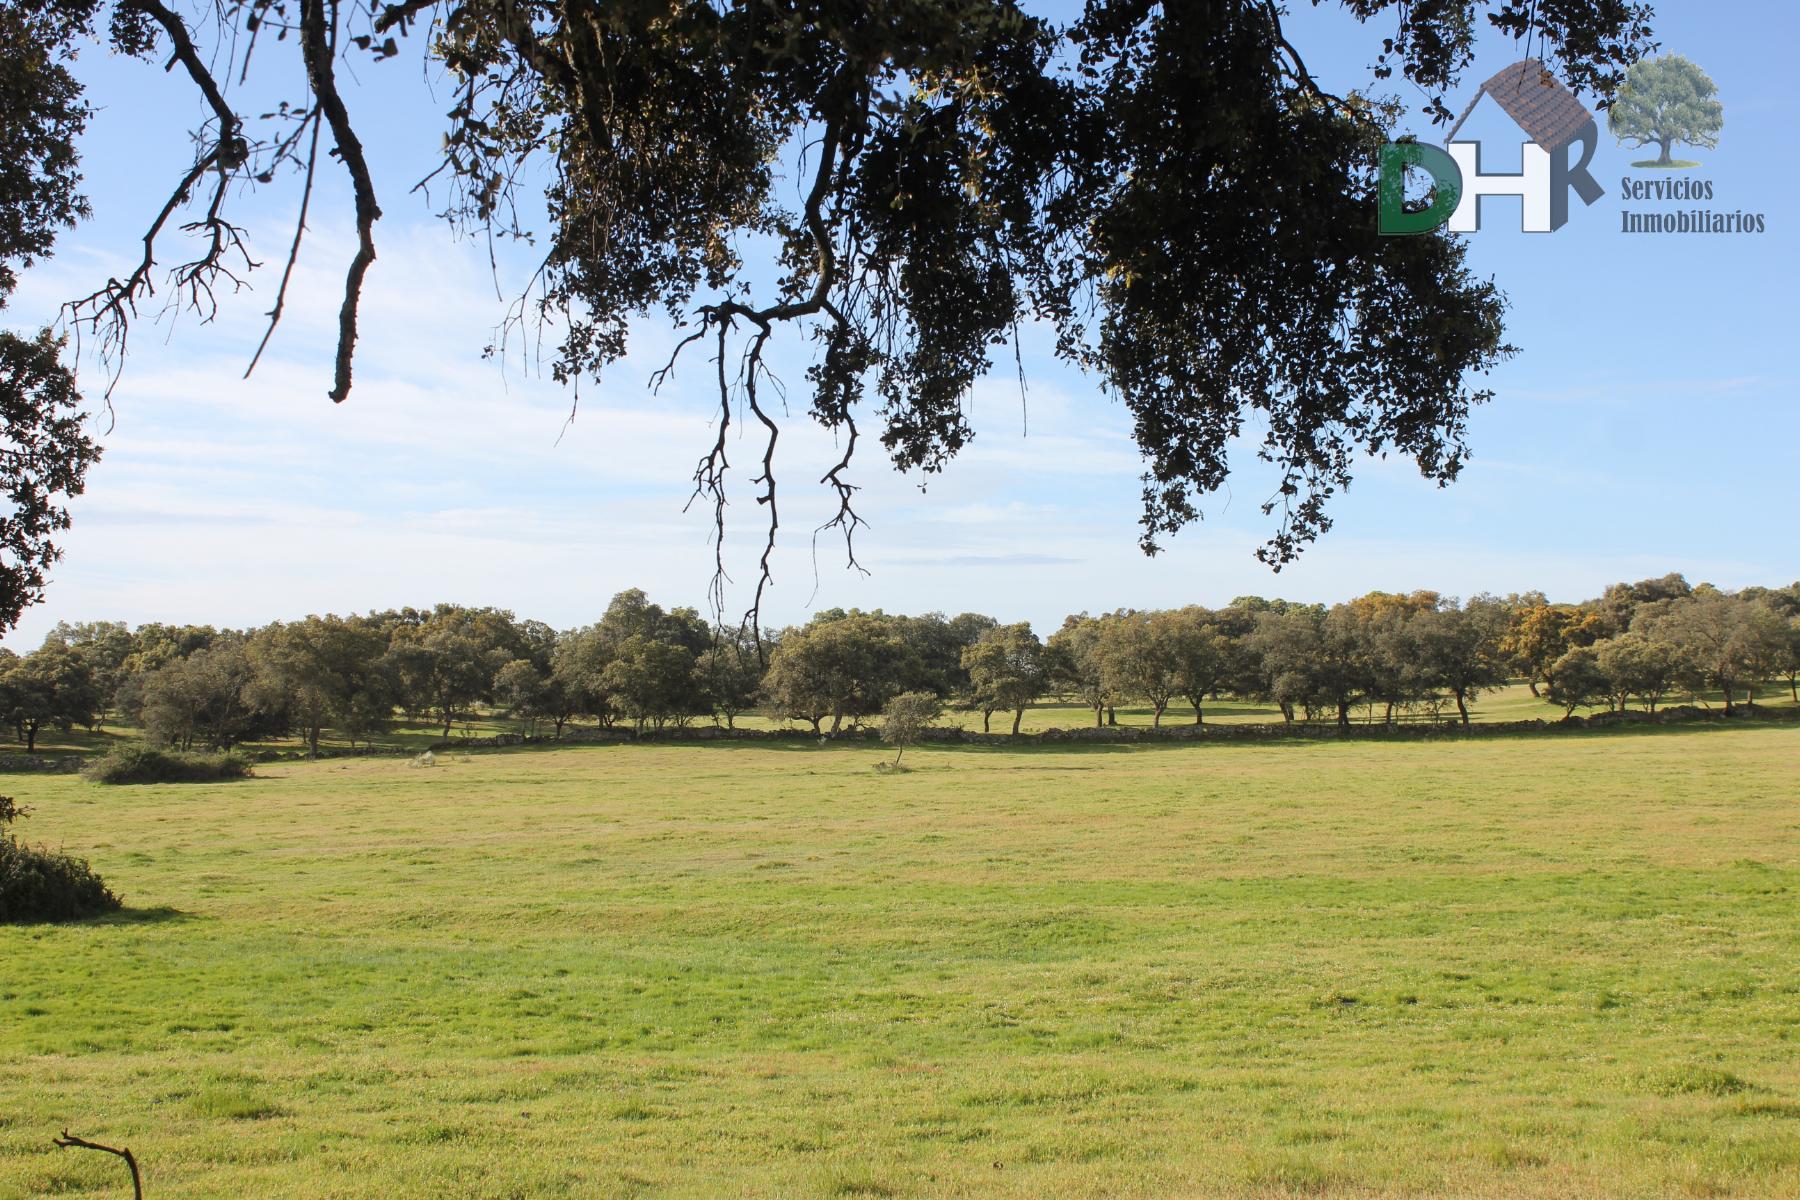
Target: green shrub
40, 884
144, 764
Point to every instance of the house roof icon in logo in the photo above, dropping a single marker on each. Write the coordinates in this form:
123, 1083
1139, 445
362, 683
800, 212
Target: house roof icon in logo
1547, 111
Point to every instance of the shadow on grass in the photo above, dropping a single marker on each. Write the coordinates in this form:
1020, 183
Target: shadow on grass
1361, 734
1216, 737
160, 914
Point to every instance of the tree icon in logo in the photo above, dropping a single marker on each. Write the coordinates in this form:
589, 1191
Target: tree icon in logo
1667, 100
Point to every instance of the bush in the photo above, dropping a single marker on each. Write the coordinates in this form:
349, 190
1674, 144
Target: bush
906, 717
39, 884
143, 764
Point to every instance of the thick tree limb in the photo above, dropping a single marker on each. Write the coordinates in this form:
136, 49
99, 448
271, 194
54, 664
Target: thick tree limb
402, 14
316, 38
231, 142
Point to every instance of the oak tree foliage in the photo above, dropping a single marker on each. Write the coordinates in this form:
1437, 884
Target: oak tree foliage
1167, 187
44, 453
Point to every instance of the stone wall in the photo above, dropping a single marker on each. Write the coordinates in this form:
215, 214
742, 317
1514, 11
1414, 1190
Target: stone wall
66, 764
1114, 734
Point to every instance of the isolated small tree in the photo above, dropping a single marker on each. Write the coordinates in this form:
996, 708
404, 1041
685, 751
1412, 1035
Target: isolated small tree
906, 717
1667, 100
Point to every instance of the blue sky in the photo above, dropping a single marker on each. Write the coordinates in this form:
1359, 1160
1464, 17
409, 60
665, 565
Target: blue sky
1648, 425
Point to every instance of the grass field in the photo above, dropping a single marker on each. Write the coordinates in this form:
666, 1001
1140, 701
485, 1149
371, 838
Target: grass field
1520, 967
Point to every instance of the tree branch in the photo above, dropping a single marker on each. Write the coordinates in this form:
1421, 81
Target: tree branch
110, 310
230, 138
316, 39
402, 14
68, 1140
287, 273
709, 474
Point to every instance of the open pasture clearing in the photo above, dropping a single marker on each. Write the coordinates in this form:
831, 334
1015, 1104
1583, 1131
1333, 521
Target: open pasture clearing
1517, 967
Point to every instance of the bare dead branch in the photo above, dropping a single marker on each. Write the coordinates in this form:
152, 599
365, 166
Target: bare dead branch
68, 1141
109, 311
709, 477
767, 480
287, 273
847, 518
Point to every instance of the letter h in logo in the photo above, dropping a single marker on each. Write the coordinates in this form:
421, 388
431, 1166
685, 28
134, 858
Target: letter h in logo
1531, 183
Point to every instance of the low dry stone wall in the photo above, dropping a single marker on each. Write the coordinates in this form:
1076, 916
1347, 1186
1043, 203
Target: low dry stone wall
1185, 732
69, 764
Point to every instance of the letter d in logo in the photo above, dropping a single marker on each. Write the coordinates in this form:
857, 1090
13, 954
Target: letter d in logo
1396, 157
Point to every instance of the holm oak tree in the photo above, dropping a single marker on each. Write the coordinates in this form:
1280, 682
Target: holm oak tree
1166, 186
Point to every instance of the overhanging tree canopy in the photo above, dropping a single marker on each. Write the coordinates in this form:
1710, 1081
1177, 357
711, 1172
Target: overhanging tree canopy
1167, 186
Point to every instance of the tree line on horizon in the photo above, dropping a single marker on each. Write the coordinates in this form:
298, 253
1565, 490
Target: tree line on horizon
1417, 653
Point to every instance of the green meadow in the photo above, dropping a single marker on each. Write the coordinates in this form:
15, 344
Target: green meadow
1505, 967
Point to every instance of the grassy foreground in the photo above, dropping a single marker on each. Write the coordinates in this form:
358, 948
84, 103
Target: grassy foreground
1562, 967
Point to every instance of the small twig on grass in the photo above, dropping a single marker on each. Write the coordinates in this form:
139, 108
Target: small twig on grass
137, 1184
